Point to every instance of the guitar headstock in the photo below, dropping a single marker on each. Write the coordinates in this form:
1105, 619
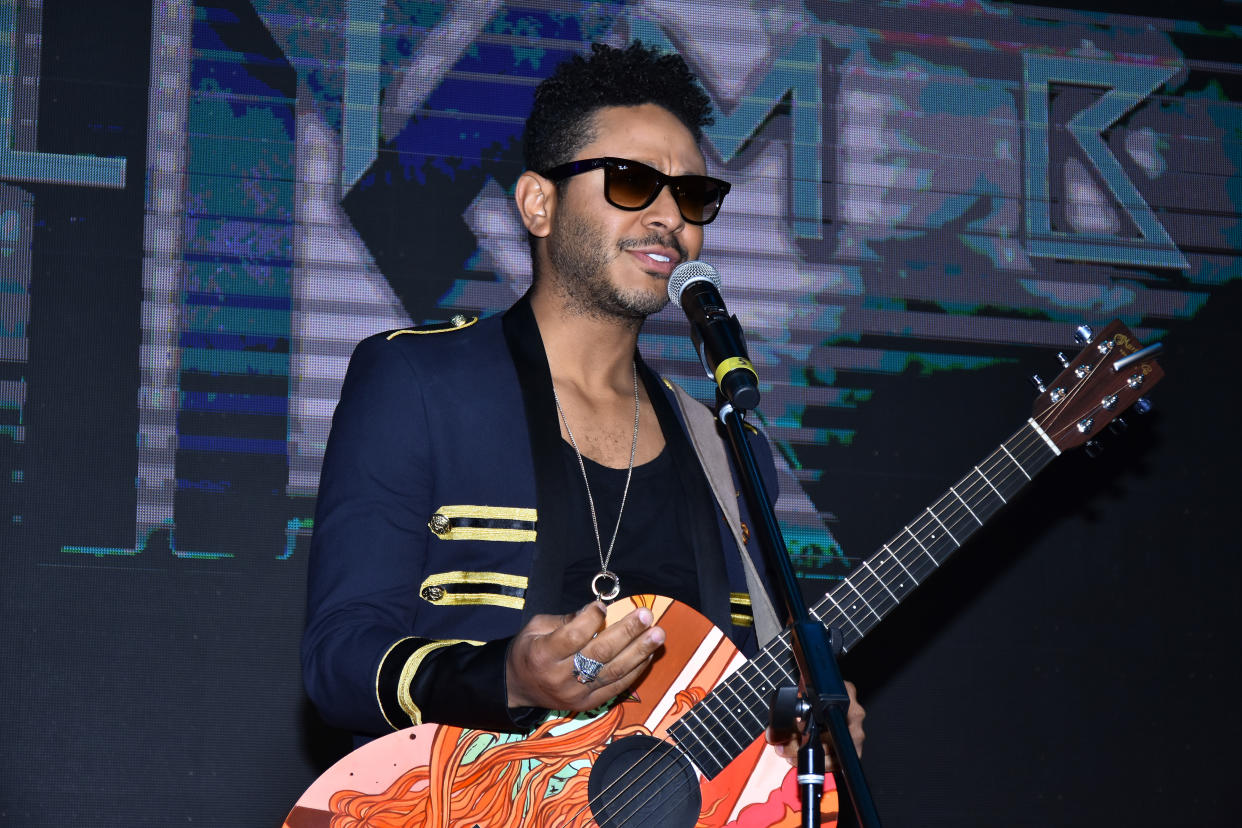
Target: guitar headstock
1103, 380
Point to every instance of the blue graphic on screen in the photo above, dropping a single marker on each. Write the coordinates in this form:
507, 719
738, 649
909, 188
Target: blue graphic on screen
919, 190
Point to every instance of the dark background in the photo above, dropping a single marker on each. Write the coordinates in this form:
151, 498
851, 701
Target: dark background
1074, 664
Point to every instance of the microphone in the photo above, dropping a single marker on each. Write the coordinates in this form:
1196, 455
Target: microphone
717, 335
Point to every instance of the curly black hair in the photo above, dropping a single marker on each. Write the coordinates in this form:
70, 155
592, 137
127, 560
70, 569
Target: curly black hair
562, 120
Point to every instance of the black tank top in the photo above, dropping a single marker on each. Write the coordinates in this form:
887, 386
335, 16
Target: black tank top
653, 553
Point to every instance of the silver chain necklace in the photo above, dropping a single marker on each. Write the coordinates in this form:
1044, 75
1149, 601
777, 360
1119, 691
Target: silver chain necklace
604, 573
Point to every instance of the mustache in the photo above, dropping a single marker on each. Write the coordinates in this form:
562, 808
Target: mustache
655, 240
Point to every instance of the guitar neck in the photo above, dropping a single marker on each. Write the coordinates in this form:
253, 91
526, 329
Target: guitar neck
1105, 378
883, 581
858, 603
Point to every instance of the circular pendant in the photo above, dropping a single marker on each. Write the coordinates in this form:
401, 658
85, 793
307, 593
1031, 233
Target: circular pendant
608, 577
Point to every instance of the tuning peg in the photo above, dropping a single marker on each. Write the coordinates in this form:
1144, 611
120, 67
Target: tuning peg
1118, 425
1038, 382
1141, 406
1063, 359
1094, 448
1083, 334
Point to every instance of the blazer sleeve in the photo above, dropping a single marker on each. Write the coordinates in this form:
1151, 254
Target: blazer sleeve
363, 666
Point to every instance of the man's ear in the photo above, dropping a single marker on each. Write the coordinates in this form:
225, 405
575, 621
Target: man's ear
536, 199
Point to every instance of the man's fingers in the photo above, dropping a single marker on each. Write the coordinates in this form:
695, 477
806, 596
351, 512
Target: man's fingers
541, 672
854, 718
612, 686
629, 640
581, 628
625, 664
614, 641
786, 750
565, 635
623, 649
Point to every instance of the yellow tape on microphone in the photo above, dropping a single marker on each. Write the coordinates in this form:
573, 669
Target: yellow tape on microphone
731, 364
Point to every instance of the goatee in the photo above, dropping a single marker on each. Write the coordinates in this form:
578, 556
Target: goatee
577, 251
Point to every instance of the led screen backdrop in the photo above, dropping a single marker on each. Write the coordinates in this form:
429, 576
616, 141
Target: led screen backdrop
203, 206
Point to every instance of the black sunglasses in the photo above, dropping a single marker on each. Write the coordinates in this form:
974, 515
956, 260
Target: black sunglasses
629, 185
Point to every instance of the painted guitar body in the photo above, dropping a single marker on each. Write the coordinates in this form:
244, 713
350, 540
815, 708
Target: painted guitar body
617, 767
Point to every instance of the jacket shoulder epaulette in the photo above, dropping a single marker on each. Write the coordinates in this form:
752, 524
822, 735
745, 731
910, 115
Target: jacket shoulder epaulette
458, 322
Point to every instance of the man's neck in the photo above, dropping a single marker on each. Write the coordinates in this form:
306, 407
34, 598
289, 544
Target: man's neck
594, 353
592, 364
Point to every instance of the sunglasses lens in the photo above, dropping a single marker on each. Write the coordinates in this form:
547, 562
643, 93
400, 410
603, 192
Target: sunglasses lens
698, 198
630, 186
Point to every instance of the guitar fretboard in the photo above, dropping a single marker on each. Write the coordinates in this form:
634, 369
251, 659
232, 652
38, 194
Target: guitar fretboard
717, 729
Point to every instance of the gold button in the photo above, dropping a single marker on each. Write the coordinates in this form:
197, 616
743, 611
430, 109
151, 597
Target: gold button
432, 593
458, 320
745, 533
440, 524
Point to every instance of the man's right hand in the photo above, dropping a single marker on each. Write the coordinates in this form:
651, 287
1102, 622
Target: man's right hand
539, 671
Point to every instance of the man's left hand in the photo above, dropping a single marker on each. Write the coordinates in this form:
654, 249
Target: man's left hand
854, 717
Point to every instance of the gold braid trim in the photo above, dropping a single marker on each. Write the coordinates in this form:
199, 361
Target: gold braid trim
411, 667
379, 701
441, 523
440, 589
457, 323
741, 600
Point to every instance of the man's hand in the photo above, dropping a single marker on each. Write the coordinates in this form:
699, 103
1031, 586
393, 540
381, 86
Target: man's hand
853, 716
540, 669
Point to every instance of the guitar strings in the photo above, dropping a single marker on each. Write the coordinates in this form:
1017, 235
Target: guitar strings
692, 717
911, 556
670, 760
1028, 444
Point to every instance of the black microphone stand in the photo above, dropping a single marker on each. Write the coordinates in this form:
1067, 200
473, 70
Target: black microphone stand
821, 701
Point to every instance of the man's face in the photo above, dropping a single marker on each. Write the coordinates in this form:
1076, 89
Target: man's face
614, 263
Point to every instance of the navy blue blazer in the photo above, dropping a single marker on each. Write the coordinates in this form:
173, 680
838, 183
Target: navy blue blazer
440, 526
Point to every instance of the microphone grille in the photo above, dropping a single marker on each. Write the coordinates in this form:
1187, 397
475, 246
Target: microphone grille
687, 272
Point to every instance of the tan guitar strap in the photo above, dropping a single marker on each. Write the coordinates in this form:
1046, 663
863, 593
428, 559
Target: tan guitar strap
710, 449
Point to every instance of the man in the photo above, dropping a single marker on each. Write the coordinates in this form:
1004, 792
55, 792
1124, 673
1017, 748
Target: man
489, 484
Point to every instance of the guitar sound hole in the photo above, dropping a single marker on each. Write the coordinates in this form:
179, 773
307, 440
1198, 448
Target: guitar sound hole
641, 782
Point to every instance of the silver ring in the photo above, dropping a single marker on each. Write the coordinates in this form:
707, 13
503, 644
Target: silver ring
586, 670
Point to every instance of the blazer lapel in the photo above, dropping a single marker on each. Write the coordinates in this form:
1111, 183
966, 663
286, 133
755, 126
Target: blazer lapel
552, 532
